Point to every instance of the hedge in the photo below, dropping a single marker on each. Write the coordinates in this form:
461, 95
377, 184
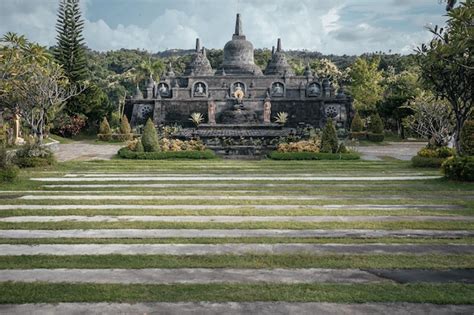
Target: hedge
275, 155
115, 137
9, 173
360, 135
459, 168
125, 153
420, 161
375, 137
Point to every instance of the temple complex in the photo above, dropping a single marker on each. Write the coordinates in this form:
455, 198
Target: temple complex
239, 97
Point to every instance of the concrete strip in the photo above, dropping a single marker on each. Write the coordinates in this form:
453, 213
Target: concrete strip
249, 174
230, 178
230, 249
214, 207
236, 308
422, 275
235, 219
218, 233
169, 197
190, 275
201, 185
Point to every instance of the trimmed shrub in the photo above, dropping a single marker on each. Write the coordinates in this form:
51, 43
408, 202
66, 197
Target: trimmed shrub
150, 138
105, 133
467, 138
127, 154
459, 168
125, 130
329, 142
34, 155
312, 156
357, 125
375, 137
362, 135
139, 146
376, 124
420, 161
9, 173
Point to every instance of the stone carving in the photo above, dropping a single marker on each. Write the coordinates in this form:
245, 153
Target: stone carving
277, 89
314, 89
163, 90
200, 89
211, 113
332, 111
267, 111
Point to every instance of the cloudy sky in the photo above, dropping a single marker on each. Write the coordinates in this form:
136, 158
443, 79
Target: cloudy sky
328, 26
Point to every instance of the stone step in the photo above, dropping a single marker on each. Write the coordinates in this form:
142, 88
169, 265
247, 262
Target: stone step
236, 308
232, 178
235, 219
243, 207
220, 233
190, 275
231, 249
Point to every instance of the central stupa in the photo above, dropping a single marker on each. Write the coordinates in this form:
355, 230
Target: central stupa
238, 54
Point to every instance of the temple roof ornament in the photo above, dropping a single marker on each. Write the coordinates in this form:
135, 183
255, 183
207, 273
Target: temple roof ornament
278, 65
239, 54
199, 65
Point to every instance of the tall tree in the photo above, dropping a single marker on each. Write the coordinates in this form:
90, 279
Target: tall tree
70, 52
366, 87
447, 64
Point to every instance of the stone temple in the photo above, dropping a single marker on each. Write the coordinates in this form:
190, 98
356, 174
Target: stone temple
238, 99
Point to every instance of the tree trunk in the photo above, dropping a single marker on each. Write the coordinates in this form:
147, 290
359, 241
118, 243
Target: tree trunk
457, 133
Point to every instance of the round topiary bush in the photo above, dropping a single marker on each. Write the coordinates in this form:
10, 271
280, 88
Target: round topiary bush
150, 138
467, 138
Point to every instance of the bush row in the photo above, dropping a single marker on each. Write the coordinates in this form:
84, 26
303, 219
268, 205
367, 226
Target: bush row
459, 168
312, 156
117, 137
421, 161
196, 155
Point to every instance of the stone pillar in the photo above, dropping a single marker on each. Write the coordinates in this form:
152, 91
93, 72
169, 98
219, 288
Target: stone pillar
211, 113
267, 111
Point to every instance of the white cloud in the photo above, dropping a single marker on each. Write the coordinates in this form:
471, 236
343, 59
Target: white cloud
338, 26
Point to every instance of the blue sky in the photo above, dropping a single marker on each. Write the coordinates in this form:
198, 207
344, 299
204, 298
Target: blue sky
328, 26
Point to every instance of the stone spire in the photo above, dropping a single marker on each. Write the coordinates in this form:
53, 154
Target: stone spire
198, 44
238, 26
199, 65
278, 65
238, 54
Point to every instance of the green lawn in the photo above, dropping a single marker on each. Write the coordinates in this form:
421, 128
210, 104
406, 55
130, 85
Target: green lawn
436, 197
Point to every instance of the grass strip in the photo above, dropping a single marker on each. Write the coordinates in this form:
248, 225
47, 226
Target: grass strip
11, 292
332, 261
240, 240
423, 225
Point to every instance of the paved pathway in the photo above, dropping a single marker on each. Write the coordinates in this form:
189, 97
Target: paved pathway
220, 233
232, 178
235, 218
234, 308
228, 249
83, 151
191, 275
398, 150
